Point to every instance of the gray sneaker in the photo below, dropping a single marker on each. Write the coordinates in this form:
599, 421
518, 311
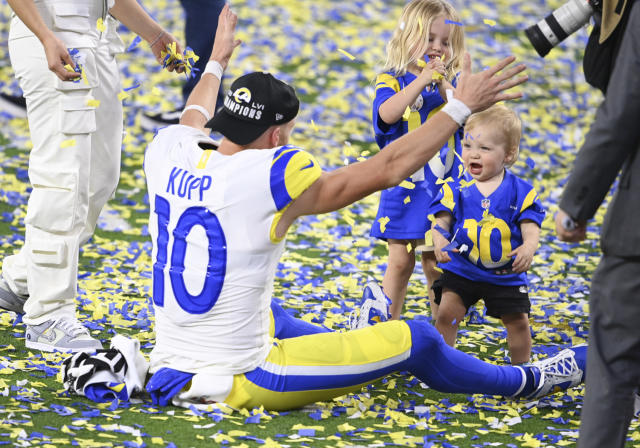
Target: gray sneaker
64, 334
9, 300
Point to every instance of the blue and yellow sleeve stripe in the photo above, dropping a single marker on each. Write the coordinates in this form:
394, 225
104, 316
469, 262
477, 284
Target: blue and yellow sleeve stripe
386, 80
292, 172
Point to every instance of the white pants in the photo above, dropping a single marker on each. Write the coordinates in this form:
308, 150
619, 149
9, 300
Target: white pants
74, 165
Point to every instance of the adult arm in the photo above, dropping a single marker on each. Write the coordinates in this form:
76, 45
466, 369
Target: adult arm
336, 189
55, 50
613, 137
205, 92
134, 17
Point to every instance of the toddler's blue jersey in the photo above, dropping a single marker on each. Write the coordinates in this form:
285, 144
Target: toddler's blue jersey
401, 212
488, 226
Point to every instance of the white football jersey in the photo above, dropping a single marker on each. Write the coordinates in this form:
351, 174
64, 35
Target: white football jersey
215, 253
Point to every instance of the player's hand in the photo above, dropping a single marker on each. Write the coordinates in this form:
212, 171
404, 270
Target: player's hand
225, 42
564, 229
57, 57
483, 89
160, 44
524, 257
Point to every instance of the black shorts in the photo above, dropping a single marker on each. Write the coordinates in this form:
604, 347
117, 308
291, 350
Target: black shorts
498, 299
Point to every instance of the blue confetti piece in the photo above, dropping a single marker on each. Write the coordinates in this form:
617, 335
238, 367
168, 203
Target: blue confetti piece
135, 86
307, 432
134, 44
253, 419
452, 22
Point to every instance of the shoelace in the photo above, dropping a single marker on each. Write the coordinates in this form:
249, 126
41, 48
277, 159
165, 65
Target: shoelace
72, 327
564, 366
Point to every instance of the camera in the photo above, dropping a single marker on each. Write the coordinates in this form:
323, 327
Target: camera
562, 22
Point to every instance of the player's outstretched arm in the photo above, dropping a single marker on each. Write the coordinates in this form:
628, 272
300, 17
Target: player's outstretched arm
336, 189
205, 93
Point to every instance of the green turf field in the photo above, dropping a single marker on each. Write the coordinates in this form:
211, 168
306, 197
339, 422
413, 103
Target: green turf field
327, 257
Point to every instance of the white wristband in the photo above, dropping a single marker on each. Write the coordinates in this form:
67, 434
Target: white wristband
199, 108
457, 110
214, 68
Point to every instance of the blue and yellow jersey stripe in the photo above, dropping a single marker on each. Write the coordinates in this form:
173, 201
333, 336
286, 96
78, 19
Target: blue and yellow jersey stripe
292, 172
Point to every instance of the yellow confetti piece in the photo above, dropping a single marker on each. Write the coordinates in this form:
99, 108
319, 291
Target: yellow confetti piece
100, 25
406, 184
122, 95
313, 125
420, 24
383, 223
345, 427
444, 181
489, 22
421, 63
84, 76
347, 54
68, 68
407, 200
409, 247
406, 114
465, 184
436, 76
93, 103
68, 143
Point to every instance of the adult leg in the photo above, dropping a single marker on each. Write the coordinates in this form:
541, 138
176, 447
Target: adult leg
450, 314
201, 23
396, 277
429, 264
319, 367
57, 207
518, 337
614, 353
106, 141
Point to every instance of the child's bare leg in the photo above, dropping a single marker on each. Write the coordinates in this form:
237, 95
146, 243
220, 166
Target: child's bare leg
450, 313
399, 268
429, 268
518, 336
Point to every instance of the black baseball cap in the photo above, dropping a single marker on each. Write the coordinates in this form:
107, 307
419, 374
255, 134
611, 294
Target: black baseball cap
253, 103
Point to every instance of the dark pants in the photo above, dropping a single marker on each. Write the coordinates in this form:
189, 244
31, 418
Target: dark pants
201, 23
613, 360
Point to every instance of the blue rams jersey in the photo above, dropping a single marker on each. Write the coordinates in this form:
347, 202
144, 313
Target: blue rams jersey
427, 104
488, 226
401, 211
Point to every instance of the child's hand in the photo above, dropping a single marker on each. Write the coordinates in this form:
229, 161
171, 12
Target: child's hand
439, 241
524, 257
432, 71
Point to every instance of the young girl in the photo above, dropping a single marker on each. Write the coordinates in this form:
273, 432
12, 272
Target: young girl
423, 57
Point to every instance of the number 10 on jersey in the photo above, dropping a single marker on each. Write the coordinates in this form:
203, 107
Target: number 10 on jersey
216, 266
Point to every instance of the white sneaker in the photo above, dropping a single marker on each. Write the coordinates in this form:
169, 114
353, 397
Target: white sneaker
560, 372
9, 300
64, 334
374, 307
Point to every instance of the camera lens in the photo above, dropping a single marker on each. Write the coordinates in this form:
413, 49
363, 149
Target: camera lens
537, 39
562, 22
